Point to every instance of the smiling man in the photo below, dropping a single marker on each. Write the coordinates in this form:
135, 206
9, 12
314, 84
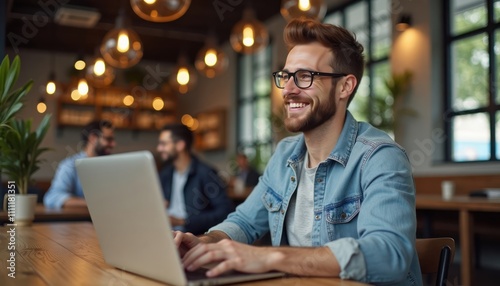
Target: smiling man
195, 195
98, 139
338, 199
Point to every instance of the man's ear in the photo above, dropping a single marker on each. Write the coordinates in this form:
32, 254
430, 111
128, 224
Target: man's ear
93, 138
347, 87
180, 145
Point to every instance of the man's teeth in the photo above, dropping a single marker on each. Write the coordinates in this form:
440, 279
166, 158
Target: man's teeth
297, 105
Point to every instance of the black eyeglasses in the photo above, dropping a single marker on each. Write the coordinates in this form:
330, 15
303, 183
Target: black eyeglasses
302, 78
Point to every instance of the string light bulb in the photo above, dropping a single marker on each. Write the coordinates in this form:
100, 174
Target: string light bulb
121, 47
41, 107
211, 61
311, 9
160, 10
184, 76
99, 74
249, 35
51, 87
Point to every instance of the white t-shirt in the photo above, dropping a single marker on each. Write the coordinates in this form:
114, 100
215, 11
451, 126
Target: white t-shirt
177, 207
300, 215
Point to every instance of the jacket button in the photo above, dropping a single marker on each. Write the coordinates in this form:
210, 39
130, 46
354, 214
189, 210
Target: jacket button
319, 180
317, 217
343, 215
282, 212
292, 178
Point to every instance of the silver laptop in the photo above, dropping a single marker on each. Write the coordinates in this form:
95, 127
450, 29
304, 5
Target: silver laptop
125, 202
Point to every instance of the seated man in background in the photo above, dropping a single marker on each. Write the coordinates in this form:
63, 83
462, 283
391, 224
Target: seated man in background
195, 195
246, 174
338, 199
65, 190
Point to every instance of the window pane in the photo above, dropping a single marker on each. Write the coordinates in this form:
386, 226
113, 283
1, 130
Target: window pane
359, 106
467, 15
496, 6
497, 53
469, 68
261, 120
471, 137
246, 81
245, 123
497, 136
356, 22
382, 101
381, 19
335, 18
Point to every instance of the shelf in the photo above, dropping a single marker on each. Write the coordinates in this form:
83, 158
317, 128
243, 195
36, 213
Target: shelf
107, 103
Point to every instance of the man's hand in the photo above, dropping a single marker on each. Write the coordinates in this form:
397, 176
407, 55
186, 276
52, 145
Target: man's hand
231, 255
75, 202
175, 221
185, 241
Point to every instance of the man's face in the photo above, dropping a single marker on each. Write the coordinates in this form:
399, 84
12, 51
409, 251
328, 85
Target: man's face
167, 147
105, 143
306, 109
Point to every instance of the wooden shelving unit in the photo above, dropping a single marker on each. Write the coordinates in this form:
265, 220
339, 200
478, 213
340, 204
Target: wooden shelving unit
107, 103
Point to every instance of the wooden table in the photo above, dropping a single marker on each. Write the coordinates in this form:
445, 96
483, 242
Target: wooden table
69, 254
43, 214
466, 206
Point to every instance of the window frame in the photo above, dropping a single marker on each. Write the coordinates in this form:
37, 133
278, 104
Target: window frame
492, 108
370, 62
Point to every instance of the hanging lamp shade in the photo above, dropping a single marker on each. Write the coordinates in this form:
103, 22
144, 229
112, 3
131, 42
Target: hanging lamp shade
184, 76
311, 9
98, 73
160, 10
249, 35
211, 61
121, 47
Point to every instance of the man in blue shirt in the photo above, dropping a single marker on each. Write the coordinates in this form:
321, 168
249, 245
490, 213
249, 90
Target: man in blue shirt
65, 190
195, 195
338, 200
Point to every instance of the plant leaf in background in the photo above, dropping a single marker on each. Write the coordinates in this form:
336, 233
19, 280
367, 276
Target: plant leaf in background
10, 100
20, 149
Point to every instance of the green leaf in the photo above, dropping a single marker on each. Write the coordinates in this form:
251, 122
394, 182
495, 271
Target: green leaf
13, 74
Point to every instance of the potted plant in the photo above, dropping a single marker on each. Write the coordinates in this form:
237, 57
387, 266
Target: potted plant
19, 145
387, 113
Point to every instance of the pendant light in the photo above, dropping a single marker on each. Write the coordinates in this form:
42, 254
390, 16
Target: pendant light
80, 63
211, 61
249, 35
160, 10
184, 76
99, 74
121, 47
41, 107
311, 9
51, 86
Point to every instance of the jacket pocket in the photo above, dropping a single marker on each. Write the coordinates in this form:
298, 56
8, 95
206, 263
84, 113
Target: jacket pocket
272, 201
343, 211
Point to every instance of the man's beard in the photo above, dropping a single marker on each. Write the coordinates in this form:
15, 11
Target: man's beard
100, 150
171, 158
313, 119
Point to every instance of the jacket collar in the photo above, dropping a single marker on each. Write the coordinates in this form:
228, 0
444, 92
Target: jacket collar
342, 149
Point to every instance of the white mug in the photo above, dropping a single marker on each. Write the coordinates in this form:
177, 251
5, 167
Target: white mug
447, 190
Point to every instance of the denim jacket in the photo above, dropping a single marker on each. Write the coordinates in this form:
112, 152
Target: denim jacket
364, 205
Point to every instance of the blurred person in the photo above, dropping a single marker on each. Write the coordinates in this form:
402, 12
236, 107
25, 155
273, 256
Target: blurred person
246, 173
195, 195
338, 199
65, 190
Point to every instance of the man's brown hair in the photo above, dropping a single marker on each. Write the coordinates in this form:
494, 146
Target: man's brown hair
347, 52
